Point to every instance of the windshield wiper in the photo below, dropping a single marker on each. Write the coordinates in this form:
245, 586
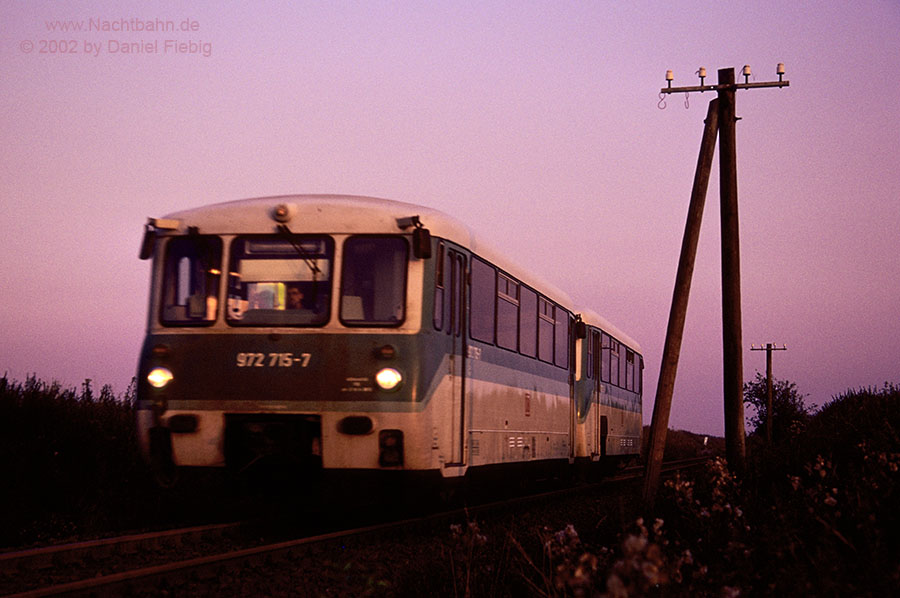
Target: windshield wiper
310, 260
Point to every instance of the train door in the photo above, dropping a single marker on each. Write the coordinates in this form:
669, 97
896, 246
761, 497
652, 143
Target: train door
586, 375
458, 328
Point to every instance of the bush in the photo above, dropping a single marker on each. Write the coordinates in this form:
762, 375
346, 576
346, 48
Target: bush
839, 511
813, 516
71, 455
790, 414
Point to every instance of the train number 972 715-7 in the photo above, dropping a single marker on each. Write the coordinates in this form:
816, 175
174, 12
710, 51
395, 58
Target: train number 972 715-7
272, 360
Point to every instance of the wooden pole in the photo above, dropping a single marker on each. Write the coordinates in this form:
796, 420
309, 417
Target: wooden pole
663, 403
731, 276
769, 418
769, 387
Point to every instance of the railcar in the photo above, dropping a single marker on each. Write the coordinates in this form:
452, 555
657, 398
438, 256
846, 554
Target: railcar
341, 335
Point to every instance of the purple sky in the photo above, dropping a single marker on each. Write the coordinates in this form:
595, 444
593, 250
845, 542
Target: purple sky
537, 123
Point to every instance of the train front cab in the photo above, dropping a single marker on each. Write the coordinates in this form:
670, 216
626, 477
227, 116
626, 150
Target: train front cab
334, 387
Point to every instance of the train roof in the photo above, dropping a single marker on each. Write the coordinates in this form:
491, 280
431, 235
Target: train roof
326, 214
318, 214
592, 318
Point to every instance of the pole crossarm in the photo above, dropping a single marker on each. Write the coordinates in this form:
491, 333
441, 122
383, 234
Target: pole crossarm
702, 88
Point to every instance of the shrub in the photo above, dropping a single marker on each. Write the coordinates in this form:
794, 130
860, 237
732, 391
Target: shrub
826, 506
813, 516
790, 414
70, 453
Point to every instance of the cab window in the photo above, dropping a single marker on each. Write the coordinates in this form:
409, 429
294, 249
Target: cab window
373, 281
190, 283
280, 281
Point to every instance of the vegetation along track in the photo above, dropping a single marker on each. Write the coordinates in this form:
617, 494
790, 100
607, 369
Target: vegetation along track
144, 562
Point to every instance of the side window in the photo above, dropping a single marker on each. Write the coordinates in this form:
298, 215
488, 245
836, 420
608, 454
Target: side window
482, 301
590, 340
562, 338
622, 368
639, 375
191, 274
614, 362
507, 312
604, 358
451, 264
629, 369
546, 339
455, 268
439, 288
527, 322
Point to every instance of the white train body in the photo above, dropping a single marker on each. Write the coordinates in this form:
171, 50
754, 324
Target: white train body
412, 347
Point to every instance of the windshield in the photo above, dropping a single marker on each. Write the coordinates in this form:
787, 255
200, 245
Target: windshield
280, 281
373, 281
191, 280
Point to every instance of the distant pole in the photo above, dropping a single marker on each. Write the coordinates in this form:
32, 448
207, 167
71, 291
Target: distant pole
769, 416
733, 370
769, 401
662, 405
732, 356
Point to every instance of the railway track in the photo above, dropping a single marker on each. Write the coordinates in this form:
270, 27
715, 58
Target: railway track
64, 564
174, 570
143, 564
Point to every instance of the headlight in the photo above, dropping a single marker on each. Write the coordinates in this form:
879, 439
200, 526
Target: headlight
388, 379
159, 377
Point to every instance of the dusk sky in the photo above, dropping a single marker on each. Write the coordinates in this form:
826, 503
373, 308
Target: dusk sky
539, 124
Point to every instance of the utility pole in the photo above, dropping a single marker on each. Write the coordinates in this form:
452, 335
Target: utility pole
768, 349
732, 357
731, 261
